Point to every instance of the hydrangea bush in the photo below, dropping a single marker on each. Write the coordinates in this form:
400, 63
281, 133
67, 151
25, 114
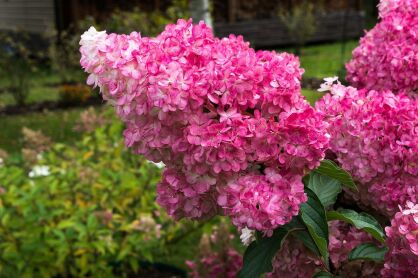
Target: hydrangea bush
386, 58
239, 139
295, 260
375, 138
229, 123
402, 257
216, 257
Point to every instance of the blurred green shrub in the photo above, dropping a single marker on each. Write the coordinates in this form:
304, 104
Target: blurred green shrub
90, 119
34, 144
217, 255
64, 55
74, 93
147, 23
63, 50
300, 22
178, 9
17, 63
83, 211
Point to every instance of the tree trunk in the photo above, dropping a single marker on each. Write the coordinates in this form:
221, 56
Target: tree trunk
199, 10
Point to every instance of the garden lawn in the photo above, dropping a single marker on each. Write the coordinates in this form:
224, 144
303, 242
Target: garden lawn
44, 87
37, 94
324, 60
311, 95
57, 124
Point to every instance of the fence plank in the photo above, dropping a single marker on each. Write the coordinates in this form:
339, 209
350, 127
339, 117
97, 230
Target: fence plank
272, 32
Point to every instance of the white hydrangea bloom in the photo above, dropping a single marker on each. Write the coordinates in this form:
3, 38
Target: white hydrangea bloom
92, 36
160, 164
247, 236
91, 42
329, 81
39, 171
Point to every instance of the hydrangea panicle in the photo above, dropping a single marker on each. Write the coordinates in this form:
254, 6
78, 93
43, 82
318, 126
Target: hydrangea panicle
216, 113
402, 239
374, 136
262, 202
387, 57
216, 256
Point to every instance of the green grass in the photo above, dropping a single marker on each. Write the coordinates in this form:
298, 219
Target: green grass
58, 125
43, 87
37, 94
311, 95
324, 60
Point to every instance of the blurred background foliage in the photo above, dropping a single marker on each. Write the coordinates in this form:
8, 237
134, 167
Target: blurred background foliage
86, 209
300, 22
17, 64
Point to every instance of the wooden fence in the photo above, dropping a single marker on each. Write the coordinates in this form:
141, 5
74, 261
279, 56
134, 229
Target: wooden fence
332, 26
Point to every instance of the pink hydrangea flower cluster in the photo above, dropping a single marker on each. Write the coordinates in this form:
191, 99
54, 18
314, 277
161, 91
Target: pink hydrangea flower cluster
344, 238
229, 123
375, 138
294, 260
216, 255
387, 57
258, 200
213, 265
187, 195
402, 258
388, 6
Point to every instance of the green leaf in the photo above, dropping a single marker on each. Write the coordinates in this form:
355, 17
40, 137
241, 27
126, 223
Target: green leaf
258, 235
330, 169
258, 256
361, 221
307, 240
323, 274
299, 230
92, 222
314, 217
325, 187
368, 251
67, 223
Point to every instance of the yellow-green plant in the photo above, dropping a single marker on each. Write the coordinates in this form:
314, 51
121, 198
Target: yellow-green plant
83, 211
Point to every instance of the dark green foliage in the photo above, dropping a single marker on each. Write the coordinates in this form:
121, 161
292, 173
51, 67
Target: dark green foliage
368, 251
